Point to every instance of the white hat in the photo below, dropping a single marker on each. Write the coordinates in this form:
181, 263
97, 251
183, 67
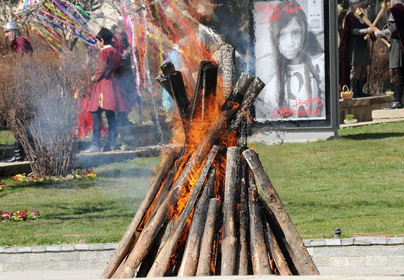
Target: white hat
11, 25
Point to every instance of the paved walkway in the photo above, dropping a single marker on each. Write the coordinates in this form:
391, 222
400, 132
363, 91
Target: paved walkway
327, 273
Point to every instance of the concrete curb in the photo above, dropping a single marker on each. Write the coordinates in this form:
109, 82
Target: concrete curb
380, 252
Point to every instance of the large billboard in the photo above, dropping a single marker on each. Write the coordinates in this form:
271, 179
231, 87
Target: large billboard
290, 60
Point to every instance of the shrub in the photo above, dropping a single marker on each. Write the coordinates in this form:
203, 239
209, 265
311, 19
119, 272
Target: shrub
37, 99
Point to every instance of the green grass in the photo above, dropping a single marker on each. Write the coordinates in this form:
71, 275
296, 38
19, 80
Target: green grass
6, 137
355, 182
78, 212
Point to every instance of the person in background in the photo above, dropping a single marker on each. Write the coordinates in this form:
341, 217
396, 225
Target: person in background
354, 52
106, 95
396, 52
18, 45
127, 77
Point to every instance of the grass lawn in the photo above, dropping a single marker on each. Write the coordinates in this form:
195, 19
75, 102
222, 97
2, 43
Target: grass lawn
80, 211
355, 182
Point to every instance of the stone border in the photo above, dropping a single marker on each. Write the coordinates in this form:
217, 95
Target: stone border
350, 252
357, 241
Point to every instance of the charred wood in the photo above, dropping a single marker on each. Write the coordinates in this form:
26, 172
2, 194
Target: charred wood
244, 257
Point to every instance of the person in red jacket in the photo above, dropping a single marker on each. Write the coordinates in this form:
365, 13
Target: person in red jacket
18, 45
106, 95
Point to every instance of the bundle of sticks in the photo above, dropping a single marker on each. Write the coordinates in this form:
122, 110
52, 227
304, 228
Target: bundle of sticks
212, 209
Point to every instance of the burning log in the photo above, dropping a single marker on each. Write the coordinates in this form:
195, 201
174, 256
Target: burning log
130, 238
205, 257
213, 135
172, 81
180, 229
161, 262
301, 257
192, 248
205, 88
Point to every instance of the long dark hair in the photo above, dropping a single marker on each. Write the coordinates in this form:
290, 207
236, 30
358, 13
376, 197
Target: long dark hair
286, 12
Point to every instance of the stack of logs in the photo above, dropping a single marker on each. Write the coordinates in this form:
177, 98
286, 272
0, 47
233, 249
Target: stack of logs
212, 209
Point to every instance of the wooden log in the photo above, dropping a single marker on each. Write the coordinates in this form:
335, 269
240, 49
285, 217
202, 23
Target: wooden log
209, 84
205, 257
161, 195
190, 258
180, 96
196, 101
244, 259
148, 262
173, 82
279, 235
243, 133
161, 262
182, 183
252, 92
182, 158
301, 257
229, 240
205, 89
129, 238
227, 67
259, 252
282, 266
166, 69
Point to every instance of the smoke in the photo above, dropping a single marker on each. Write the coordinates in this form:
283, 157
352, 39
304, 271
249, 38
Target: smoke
38, 101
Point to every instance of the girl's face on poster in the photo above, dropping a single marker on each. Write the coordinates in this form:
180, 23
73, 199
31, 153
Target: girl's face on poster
291, 41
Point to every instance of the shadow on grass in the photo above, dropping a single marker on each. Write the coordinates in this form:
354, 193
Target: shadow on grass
371, 136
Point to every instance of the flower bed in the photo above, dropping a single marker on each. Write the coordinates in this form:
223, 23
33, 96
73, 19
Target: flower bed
18, 216
77, 174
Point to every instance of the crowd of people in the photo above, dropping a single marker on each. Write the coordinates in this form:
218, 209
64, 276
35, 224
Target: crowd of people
113, 91
355, 52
